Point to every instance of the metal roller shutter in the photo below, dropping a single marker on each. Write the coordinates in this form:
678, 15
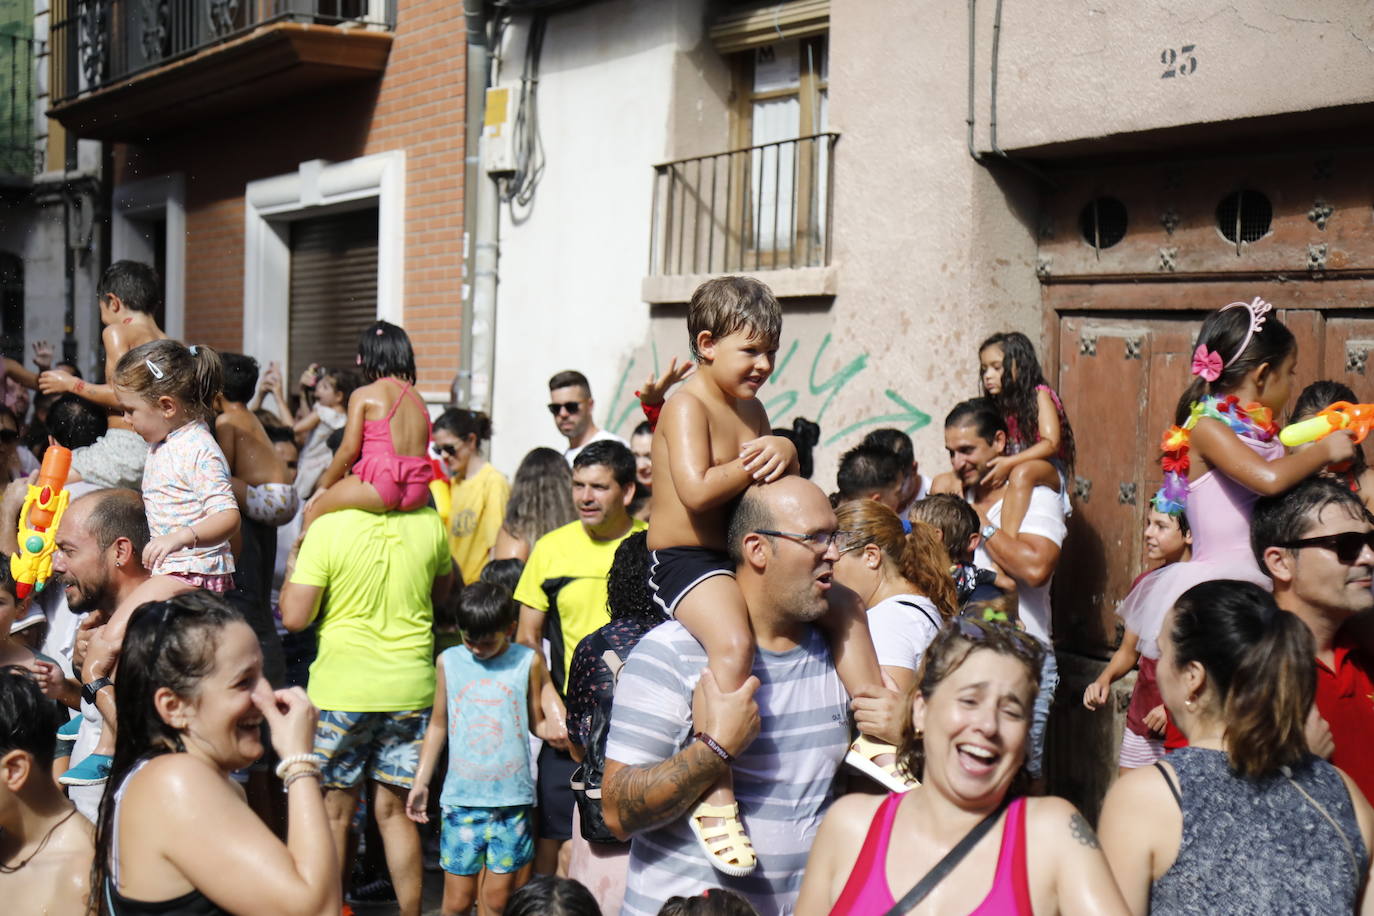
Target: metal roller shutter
763, 24
333, 288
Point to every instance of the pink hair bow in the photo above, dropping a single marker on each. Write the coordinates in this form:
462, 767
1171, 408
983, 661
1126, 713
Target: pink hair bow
1206, 363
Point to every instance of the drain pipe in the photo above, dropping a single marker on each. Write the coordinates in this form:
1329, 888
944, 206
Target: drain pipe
473, 385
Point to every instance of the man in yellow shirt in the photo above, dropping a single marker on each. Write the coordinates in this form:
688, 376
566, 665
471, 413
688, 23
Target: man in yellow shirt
562, 594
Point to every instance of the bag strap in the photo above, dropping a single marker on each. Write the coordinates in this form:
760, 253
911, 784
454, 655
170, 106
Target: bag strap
946, 865
612, 661
926, 613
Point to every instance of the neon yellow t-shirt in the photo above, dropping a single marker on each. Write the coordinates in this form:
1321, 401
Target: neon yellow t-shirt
375, 622
477, 506
566, 577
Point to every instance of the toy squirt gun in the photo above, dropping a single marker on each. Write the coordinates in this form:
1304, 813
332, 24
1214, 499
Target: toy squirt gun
1357, 418
38, 521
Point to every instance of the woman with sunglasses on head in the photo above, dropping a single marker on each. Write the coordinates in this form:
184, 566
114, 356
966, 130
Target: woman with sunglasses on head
477, 492
965, 840
1245, 819
174, 833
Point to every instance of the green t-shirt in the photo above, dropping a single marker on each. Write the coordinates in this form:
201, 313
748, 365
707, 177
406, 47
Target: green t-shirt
565, 577
375, 622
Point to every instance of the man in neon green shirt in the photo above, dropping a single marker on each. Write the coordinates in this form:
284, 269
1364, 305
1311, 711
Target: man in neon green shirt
372, 580
562, 594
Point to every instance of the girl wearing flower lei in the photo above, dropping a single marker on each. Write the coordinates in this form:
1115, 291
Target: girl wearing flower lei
1222, 454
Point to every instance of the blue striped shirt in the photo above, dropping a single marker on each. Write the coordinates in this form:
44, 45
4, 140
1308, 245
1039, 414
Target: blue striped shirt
782, 780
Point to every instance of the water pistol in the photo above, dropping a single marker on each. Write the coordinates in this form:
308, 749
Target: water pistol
38, 521
1357, 418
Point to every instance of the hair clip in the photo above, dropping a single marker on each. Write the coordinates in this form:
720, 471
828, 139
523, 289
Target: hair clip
1206, 363
152, 367
194, 349
379, 332
1258, 309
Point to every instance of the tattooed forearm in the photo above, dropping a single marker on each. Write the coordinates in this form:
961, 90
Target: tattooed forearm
1082, 831
647, 796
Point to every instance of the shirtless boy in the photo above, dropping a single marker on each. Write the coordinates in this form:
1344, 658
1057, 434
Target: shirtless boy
259, 471
129, 294
713, 441
45, 849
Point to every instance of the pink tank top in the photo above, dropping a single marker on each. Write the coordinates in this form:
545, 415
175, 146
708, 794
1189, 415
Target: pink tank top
377, 433
866, 893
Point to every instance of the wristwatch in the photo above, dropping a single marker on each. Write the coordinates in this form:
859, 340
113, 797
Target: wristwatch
988, 531
88, 691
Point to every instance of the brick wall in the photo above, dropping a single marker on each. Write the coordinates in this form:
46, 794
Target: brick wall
417, 106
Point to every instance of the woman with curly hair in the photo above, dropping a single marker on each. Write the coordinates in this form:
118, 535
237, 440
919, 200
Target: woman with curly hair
540, 501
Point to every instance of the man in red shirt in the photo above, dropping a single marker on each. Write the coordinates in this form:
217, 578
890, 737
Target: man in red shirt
1317, 543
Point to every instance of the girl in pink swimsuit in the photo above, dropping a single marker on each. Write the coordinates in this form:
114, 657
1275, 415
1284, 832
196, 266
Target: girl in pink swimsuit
387, 436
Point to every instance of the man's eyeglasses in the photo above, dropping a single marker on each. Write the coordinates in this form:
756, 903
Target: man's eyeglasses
821, 539
1347, 545
572, 407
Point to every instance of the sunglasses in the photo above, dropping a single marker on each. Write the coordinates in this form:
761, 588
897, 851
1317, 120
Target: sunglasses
1347, 545
977, 630
449, 450
572, 407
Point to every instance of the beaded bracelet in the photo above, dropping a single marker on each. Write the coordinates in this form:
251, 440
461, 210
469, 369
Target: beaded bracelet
288, 762
715, 747
313, 771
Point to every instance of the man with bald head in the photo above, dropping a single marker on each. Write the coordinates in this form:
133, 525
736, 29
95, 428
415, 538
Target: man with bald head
783, 734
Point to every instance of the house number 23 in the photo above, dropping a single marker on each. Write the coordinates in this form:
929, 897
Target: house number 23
1178, 62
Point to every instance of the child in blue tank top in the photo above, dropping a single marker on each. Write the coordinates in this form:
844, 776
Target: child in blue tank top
486, 700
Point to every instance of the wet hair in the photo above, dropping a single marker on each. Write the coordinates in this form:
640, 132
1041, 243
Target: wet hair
715, 901
166, 644
549, 895
1223, 332
751, 512
117, 512
627, 584
919, 557
955, 519
643, 429
461, 423
895, 441
540, 496
484, 609
75, 422
981, 414
385, 350
611, 454
1320, 395
26, 719
192, 376
724, 305
1262, 663
135, 284
867, 469
240, 377
277, 433
947, 651
804, 435
570, 378
1288, 516
503, 573
1180, 517
7, 581
1019, 398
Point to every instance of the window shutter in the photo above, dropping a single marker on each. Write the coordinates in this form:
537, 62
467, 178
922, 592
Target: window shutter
756, 26
333, 288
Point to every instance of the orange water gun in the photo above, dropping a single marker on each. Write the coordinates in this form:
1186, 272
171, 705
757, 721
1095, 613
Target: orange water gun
38, 521
1357, 418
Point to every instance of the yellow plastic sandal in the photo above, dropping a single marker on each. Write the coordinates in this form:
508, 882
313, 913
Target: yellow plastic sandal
862, 756
726, 845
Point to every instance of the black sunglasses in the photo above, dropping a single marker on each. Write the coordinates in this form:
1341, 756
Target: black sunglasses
572, 407
975, 629
1347, 545
449, 450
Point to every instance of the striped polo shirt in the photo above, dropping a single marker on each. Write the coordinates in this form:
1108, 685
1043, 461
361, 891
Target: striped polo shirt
782, 780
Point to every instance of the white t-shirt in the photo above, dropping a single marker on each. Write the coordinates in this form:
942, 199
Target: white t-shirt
903, 627
597, 436
1044, 518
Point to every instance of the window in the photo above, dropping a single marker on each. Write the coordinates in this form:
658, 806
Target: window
333, 288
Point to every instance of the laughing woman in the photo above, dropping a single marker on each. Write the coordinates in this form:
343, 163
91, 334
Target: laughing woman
971, 715
174, 833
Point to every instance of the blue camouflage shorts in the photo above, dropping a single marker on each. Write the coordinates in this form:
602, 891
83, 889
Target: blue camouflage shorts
497, 838
384, 744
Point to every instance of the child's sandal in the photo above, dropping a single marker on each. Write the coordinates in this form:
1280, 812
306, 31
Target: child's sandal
727, 847
862, 756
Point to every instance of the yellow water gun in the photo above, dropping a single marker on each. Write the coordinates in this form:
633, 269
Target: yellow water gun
1357, 418
38, 520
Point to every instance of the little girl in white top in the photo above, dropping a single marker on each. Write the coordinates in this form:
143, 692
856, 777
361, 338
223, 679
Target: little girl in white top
167, 392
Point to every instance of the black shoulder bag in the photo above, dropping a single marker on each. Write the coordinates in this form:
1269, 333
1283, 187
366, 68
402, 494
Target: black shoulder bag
946, 865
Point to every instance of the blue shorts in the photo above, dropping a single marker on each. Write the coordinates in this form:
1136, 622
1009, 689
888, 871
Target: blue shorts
384, 744
497, 838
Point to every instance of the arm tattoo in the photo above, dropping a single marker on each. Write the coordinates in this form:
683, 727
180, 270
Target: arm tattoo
647, 796
1082, 831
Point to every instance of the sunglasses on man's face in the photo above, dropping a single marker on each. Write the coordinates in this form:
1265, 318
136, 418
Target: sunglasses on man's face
572, 407
1348, 545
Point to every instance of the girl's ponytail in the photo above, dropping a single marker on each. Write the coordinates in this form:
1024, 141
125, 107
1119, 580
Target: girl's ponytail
192, 376
207, 380
925, 563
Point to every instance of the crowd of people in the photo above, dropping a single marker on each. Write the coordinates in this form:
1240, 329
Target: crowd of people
300, 645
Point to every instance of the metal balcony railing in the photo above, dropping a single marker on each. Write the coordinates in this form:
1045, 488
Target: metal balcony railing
765, 207
96, 43
19, 154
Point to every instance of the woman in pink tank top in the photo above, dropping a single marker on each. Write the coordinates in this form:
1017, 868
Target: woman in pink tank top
970, 721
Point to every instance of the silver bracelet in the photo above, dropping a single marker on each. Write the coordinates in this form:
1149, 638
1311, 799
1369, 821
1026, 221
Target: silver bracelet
288, 762
315, 772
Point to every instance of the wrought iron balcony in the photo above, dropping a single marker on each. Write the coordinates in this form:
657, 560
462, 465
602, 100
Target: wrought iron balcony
765, 207
123, 68
19, 153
